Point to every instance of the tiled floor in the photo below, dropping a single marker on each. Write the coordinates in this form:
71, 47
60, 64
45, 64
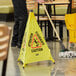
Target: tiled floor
62, 67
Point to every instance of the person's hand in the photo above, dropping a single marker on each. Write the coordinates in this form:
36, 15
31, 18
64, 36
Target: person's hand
40, 1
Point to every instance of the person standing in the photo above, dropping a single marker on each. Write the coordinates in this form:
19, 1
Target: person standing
20, 17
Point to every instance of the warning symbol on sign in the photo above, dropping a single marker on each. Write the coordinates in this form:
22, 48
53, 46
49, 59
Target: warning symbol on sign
36, 42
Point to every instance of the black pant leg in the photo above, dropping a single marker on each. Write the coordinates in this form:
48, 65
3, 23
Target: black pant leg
22, 26
22, 8
15, 31
21, 16
16, 20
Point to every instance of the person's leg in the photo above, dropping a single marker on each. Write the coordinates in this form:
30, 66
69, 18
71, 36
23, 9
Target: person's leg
15, 33
22, 26
16, 25
23, 16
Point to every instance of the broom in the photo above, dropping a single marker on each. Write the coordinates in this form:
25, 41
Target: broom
62, 45
64, 52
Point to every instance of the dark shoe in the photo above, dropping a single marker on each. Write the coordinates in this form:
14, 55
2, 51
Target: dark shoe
13, 44
19, 45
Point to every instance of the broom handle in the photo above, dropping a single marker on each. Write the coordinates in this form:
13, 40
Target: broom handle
51, 22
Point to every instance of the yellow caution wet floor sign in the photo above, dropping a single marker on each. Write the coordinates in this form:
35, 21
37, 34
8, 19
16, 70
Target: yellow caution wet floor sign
34, 47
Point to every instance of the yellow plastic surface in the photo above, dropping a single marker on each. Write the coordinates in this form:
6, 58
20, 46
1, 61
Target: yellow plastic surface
72, 36
70, 20
34, 47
